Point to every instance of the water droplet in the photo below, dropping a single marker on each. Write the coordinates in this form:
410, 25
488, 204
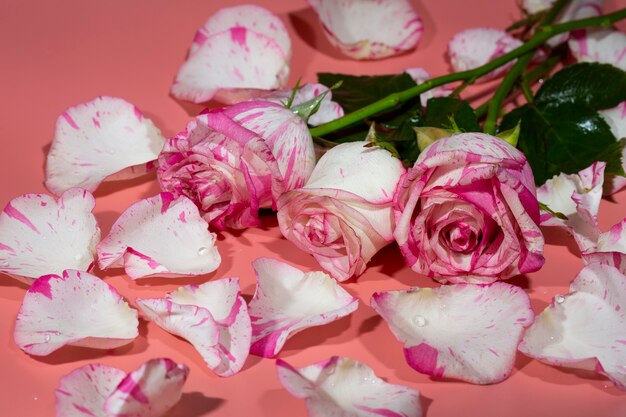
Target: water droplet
78, 256
420, 321
551, 337
559, 299
47, 338
203, 251
35, 397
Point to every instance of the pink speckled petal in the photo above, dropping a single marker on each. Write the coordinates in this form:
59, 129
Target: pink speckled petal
254, 18
364, 29
149, 391
229, 61
161, 236
288, 301
586, 328
97, 139
472, 48
345, 387
420, 75
40, 236
213, 317
577, 196
77, 309
463, 331
605, 46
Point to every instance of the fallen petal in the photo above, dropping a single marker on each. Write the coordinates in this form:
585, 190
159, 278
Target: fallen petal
161, 236
77, 309
345, 387
605, 46
363, 29
213, 317
97, 139
288, 301
464, 331
420, 75
40, 236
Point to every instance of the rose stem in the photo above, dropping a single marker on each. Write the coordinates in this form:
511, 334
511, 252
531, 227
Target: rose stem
395, 99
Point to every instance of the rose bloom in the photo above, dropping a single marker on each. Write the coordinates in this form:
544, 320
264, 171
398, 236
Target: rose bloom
467, 211
235, 160
343, 215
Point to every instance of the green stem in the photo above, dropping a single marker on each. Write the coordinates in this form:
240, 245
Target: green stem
395, 99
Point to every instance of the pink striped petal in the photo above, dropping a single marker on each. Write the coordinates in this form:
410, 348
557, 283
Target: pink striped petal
364, 29
213, 317
102, 391
464, 331
345, 387
472, 48
230, 65
420, 75
605, 46
288, 301
77, 309
586, 328
40, 236
577, 196
97, 139
616, 119
161, 235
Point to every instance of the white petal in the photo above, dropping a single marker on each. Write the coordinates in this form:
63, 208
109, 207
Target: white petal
463, 331
212, 316
40, 236
347, 388
160, 236
420, 75
76, 309
97, 139
363, 29
288, 300
228, 61
616, 119
586, 328
614, 240
605, 46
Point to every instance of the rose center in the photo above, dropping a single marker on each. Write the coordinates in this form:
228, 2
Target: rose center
461, 237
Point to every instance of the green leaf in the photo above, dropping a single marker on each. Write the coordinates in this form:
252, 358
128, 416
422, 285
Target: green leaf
439, 110
359, 91
593, 85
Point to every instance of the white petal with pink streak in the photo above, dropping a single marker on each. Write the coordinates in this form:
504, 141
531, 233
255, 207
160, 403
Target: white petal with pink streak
97, 139
605, 46
39, 235
464, 331
161, 236
213, 317
616, 119
345, 387
288, 301
77, 309
586, 328
364, 29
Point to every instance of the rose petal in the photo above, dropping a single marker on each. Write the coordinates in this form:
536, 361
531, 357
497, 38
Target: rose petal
586, 328
160, 236
77, 309
228, 62
345, 387
213, 317
364, 29
463, 331
103, 391
288, 301
420, 75
616, 119
577, 196
605, 46
40, 236
473, 48
97, 139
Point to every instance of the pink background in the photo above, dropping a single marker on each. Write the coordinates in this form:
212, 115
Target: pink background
54, 54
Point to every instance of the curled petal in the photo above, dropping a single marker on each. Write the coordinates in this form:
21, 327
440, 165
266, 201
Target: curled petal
604, 46
463, 331
616, 119
97, 139
213, 317
363, 29
564, 335
160, 235
230, 65
103, 391
420, 75
345, 387
40, 236
287, 301
577, 196
77, 309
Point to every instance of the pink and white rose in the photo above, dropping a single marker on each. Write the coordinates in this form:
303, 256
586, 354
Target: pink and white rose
343, 216
467, 211
235, 160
